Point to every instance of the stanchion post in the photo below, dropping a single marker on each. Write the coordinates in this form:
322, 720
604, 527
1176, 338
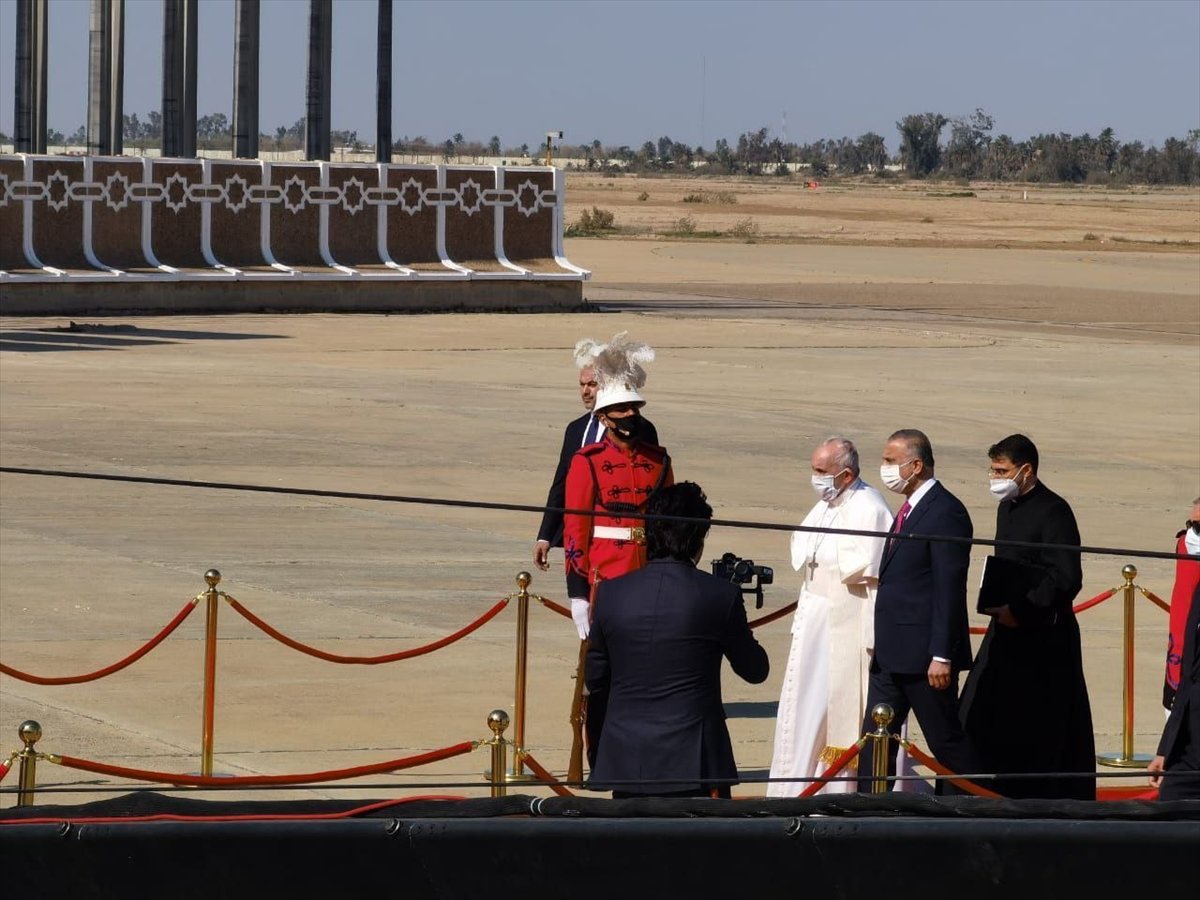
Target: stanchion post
517, 772
1126, 759
497, 721
30, 733
212, 578
882, 715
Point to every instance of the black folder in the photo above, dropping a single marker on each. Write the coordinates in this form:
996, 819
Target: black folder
1005, 580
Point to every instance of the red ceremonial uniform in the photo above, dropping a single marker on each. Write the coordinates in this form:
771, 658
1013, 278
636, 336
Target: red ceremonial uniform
1187, 576
611, 481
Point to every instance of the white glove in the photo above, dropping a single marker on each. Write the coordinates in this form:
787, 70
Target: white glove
579, 612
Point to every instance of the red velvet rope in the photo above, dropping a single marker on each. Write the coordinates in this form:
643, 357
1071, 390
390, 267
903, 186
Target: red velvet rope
252, 817
392, 765
1086, 604
115, 667
4, 767
554, 784
771, 617
1155, 599
838, 764
365, 660
929, 762
555, 607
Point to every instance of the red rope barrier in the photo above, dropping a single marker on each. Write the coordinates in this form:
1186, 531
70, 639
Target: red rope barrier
392, 765
1085, 605
838, 764
1156, 600
771, 617
1099, 598
365, 660
929, 762
115, 667
4, 767
544, 775
555, 607
251, 817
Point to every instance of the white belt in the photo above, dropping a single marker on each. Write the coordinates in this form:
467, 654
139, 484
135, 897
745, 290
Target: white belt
619, 534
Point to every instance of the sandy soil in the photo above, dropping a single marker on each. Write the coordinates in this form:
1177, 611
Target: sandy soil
764, 349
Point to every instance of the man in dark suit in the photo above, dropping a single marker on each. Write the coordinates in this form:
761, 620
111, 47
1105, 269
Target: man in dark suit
578, 433
1179, 750
922, 640
657, 640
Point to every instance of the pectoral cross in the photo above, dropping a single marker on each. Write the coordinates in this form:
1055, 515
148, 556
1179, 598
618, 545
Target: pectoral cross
812, 568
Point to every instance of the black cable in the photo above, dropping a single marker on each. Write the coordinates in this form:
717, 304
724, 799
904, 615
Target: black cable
522, 507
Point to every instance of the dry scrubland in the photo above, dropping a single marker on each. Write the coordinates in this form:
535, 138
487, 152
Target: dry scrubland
849, 312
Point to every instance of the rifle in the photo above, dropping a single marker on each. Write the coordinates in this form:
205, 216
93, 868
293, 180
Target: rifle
578, 717
579, 700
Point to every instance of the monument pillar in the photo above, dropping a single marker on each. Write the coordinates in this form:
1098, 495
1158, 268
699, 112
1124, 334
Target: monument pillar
245, 79
320, 77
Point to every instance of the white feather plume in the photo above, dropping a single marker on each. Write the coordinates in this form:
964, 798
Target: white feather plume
585, 352
619, 362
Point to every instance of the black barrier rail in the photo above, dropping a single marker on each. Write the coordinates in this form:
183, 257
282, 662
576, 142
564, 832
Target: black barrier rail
524, 507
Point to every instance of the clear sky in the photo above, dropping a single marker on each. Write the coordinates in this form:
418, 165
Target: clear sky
627, 72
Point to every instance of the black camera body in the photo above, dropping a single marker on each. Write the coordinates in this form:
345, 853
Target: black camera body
731, 567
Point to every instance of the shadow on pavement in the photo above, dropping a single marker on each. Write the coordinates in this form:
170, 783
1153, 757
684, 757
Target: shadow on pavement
111, 337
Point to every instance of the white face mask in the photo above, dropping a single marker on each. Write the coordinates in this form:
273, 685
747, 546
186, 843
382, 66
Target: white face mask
890, 476
1191, 541
1004, 488
823, 486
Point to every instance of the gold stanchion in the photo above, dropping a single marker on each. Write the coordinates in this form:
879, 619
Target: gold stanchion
517, 771
882, 714
30, 733
1127, 759
212, 578
497, 721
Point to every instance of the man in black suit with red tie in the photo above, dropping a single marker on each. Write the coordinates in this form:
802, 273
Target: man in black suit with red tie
579, 433
922, 641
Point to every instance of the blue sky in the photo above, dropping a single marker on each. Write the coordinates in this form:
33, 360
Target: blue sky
625, 72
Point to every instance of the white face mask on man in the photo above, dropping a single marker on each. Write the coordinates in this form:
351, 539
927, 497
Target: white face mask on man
1004, 488
824, 486
890, 476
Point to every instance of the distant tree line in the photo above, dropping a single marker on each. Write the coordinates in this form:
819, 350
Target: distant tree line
926, 150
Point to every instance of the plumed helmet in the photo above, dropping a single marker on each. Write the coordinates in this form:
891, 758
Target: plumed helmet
618, 368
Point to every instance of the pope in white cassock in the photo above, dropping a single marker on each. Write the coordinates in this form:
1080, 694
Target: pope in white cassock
825, 683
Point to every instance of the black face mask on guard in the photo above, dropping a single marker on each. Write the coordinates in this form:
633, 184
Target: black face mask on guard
628, 428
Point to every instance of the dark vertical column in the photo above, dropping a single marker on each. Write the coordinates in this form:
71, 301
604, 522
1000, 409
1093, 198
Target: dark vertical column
317, 94
116, 87
187, 131
99, 78
179, 78
23, 78
40, 71
245, 79
383, 84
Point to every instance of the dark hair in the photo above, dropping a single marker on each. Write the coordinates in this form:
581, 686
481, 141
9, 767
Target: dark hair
677, 540
918, 444
1018, 449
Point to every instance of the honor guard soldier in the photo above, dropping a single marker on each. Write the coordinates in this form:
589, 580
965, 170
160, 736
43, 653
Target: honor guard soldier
614, 478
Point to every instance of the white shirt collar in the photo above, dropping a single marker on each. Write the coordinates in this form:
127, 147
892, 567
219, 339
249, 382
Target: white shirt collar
919, 493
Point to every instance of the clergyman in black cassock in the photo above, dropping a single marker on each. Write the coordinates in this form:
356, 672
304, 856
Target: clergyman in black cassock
1025, 704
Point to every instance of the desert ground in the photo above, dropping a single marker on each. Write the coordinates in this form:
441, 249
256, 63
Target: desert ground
971, 312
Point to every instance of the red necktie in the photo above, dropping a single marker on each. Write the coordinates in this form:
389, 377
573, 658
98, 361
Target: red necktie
900, 517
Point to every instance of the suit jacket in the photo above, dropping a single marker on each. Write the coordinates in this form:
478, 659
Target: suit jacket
551, 528
921, 604
656, 645
1184, 721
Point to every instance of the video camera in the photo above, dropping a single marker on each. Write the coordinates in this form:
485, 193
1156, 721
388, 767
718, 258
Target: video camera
731, 567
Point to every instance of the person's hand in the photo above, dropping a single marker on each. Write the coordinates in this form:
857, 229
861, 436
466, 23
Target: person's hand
1156, 767
580, 612
541, 555
939, 675
1003, 615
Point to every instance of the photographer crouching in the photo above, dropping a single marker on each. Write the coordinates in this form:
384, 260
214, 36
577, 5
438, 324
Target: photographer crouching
657, 639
